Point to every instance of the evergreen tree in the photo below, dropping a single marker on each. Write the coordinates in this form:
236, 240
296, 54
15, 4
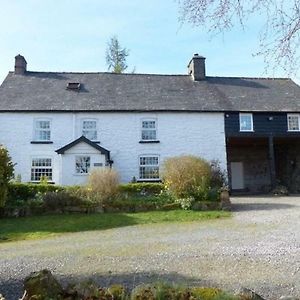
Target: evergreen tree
6, 174
116, 56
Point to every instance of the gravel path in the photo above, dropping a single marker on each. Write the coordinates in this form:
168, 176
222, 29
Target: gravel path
258, 248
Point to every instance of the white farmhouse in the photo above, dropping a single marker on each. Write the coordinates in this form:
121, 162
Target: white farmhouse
63, 125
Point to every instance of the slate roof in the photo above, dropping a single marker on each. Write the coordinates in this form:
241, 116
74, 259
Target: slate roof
46, 91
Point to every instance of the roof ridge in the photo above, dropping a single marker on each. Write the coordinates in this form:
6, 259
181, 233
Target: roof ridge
243, 77
153, 74
109, 73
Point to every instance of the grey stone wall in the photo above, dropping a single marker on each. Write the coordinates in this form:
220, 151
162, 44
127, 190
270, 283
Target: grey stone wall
256, 166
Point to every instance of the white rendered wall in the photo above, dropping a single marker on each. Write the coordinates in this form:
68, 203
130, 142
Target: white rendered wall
68, 173
200, 134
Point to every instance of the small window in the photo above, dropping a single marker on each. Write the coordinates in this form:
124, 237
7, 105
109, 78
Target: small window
73, 86
148, 130
293, 122
42, 130
149, 167
83, 164
89, 129
41, 167
246, 122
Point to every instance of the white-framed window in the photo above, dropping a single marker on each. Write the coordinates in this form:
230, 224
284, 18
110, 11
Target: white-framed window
246, 122
82, 164
41, 167
149, 167
42, 130
89, 129
149, 130
293, 122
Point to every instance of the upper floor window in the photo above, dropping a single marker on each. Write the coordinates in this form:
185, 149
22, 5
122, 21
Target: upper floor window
293, 122
89, 129
149, 130
41, 167
42, 130
149, 167
246, 122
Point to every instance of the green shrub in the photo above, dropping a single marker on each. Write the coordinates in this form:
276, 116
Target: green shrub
142, 188
6, 174
143, 292
187, 176
117, 292
25, 191
186, 203
218, 176
37, 201
208, 293
132, 204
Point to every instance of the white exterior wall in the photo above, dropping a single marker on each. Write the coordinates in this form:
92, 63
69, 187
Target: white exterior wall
200, 134
68, 159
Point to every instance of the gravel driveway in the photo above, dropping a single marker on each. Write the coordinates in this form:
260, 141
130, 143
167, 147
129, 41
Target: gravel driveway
258, 248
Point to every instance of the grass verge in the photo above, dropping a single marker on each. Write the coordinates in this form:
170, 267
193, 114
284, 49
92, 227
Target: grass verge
37, 227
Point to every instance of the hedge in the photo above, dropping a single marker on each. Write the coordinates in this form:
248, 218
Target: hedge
140, 188
25, 191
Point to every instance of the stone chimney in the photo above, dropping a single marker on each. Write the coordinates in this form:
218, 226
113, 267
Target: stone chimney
196, 67
20, 65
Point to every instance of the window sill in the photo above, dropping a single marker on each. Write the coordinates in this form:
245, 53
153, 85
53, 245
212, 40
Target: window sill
289, 130
149, 142
246, 130
41, 142
149, 180
81, 174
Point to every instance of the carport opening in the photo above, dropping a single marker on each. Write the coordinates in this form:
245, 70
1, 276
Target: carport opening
254, 168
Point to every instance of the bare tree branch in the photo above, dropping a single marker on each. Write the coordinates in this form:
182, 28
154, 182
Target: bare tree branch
279, 38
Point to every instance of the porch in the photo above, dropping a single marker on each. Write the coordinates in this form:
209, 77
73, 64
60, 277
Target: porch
257, 164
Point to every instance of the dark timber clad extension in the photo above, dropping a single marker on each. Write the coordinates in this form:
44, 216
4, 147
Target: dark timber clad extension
264, 124
268, 156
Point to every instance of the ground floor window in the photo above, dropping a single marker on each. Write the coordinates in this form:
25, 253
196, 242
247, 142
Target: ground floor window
40, 168
149, 167
83, 164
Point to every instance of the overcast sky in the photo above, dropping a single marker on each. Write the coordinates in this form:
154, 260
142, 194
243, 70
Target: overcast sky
65, 35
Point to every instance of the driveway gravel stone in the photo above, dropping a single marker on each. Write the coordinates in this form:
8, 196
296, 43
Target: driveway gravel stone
258, 248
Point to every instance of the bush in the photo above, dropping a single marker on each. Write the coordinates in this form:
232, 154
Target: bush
187, 176
142, 188
218, 176
132, 204
6, 174
59, 200
104, 184
26, 191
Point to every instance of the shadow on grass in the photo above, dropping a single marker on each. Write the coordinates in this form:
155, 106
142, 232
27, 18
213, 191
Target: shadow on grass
259, 206
12, 289
44, 226
41, 226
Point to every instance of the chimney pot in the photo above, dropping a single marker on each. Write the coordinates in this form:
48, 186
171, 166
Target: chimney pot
20, 65
196, 67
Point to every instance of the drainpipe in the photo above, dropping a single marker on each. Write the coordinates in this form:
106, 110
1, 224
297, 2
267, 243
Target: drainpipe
272, 162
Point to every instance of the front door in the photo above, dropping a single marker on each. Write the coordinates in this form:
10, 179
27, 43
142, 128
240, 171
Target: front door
237, 175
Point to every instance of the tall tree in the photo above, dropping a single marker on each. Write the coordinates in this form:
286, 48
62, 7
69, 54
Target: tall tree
279, 37
6, 174
116, 56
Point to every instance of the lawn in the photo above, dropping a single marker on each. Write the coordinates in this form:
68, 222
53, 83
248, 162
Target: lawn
52, 225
